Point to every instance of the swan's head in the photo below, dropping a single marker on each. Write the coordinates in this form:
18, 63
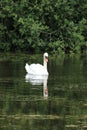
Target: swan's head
46, 56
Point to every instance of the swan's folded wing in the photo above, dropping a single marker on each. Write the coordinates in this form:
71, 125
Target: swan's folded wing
36, 69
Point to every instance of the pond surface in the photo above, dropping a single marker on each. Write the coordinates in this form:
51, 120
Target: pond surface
56, 102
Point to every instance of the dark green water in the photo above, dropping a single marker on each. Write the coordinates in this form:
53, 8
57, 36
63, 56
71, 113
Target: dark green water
24, 106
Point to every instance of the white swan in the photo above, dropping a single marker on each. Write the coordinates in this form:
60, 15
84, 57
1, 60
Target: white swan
38, 69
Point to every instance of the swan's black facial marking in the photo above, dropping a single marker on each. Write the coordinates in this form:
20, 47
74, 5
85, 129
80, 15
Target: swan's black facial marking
46, 58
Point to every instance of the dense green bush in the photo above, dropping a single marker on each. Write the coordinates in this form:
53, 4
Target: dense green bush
43, 25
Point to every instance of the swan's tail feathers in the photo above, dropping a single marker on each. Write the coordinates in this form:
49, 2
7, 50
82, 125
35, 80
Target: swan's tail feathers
27, 67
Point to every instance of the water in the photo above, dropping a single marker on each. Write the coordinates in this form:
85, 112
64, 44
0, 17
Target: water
56, 102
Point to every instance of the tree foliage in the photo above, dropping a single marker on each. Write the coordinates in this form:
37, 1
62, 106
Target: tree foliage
43, 25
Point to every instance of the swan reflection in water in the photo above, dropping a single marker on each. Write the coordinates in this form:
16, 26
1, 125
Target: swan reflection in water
38, 80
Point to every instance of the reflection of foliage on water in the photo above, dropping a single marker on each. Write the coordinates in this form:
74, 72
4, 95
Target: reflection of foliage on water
62, 101
23, 105
25, 123
32, 112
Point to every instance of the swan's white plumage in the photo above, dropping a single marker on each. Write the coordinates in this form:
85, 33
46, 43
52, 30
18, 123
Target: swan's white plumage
37, 69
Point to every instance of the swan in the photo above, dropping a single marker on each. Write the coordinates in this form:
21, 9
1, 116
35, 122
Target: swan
38, 69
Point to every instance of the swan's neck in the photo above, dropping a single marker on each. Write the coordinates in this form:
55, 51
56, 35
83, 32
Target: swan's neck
45, 64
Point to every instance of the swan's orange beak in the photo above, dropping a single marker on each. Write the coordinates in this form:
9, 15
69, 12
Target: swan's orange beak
46, 58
